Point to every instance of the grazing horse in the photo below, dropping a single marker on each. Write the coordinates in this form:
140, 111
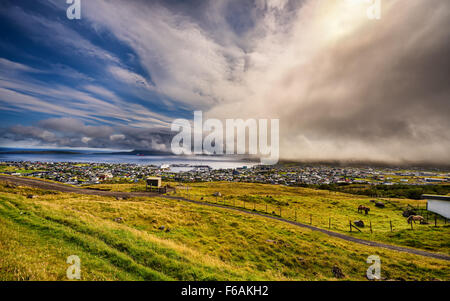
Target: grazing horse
414, 218
363, 208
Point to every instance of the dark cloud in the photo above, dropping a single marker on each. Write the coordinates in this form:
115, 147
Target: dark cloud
378, 91
68, 132
396, 86
70, 126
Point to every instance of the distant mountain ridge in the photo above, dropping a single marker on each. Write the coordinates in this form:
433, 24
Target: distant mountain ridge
10, 151
137, 152
40, 152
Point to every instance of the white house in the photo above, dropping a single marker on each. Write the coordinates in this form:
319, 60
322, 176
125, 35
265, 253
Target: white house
439, 204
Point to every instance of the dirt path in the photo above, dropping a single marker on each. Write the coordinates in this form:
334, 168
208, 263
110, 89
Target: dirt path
64, 188
69, 189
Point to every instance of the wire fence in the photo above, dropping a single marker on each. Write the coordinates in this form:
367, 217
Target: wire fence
369, 225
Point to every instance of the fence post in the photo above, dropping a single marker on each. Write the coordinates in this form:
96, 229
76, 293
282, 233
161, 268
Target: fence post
266, 208
254, 206
350, 222
390, 223
412, 228
295, 215
329, 223
280, 211
310, 219
371, 227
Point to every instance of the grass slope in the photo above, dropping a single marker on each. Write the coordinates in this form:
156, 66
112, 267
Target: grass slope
319, 206
204, 243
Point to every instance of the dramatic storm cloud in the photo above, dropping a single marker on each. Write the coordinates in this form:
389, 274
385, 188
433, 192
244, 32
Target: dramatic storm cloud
343, 86
347, 88
71, 132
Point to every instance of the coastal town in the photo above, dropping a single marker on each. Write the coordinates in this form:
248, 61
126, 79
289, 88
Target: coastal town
283, 174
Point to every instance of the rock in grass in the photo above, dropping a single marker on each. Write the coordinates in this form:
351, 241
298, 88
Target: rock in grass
162, 228
380, 205
31, 196
119, 220
359, 223
337, 272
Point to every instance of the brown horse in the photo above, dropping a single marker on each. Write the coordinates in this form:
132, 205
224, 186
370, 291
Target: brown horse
363, 208
414, 218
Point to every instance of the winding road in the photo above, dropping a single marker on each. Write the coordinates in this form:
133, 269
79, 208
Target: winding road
35, 183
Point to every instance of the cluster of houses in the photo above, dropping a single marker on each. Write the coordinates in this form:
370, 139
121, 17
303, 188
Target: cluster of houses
297, 175
81, 173
94, 173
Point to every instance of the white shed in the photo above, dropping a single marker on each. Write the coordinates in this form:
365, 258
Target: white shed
439, 204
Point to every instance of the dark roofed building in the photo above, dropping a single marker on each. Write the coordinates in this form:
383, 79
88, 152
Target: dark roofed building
153, 182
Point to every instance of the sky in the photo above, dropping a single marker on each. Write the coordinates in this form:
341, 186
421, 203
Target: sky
343, 86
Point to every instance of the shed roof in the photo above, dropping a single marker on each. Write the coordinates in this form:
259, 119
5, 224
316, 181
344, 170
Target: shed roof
436, 197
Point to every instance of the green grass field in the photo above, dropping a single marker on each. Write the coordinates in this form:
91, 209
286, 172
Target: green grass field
325, 209
4, 168
204, 243
331, 210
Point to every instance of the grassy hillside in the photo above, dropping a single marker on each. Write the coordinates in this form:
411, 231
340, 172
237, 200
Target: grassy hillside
204, 243
325, 208
398, 190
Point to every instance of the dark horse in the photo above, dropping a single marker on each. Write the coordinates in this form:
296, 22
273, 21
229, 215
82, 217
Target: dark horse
363, 208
